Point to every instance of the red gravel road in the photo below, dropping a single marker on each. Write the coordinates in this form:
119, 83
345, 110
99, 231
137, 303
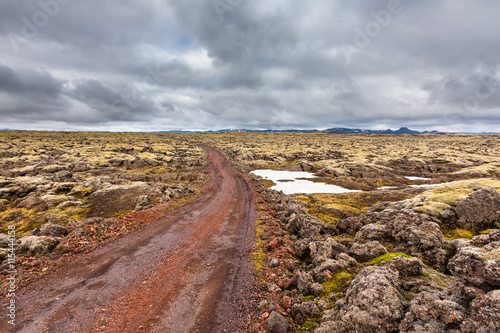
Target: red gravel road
188, 272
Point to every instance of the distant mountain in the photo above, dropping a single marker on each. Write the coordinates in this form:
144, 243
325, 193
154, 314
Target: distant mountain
343, 130
336, 130
402, 130
242, 130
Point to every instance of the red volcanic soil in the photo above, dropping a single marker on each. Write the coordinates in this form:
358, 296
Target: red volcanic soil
189, 271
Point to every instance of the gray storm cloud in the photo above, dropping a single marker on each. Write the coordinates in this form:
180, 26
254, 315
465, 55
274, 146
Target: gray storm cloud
205, 64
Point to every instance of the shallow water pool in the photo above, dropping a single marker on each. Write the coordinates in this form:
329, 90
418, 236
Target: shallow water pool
417, 178
292, 182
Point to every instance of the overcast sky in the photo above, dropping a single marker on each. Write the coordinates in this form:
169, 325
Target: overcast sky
211, 64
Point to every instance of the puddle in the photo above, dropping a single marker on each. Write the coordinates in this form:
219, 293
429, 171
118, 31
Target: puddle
386, 187
427, 185
293, 182
417, 178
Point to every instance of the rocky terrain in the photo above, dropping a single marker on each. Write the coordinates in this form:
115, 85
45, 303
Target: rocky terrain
366, 161
402, 255
405, 259
66, 192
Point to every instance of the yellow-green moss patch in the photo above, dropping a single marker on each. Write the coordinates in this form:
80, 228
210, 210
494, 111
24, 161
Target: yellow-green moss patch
337, 283
387, 257
309, 326
268, 183
123, 213
451, 234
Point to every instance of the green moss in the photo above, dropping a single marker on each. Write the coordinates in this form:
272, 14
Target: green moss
387, 257
337, 283
76, 213
451, 234
309, 326
305, 199
308, 298
268, 183
25, 220
324, 216
328, 207
123, 213
487, 231
432, 208
450, 193
381, 182
259, 256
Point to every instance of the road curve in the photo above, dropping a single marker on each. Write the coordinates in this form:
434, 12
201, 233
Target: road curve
188, 272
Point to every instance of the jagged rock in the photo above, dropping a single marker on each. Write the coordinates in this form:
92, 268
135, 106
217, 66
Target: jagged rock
485, 314
167, 177
289, 207
35, 232
37, 244
138, 163
463, 294
272, 287
52, 168
143, 202
273, 262
371, 232
27, 170
322, 250
3, 204
303, 282
306, 166
295, 223
367, 251
69, 204
4, 240
51, 229
349, 225
330, 265
54, 200
373, 302
33, 202
306, 309
7, 192
323, 304
276, 323
406, 266
479, 211
4, 254
309, 231
63, 176
301, 224
332, 327
301, 248
81, 167
345, 260
432, 312
413, 233
63, 187
478, 263
316, 289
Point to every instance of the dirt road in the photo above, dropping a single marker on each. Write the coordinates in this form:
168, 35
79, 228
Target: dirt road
189, 272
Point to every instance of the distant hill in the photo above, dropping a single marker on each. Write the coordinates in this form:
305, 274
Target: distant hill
243, 130
336, 130
402, 130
